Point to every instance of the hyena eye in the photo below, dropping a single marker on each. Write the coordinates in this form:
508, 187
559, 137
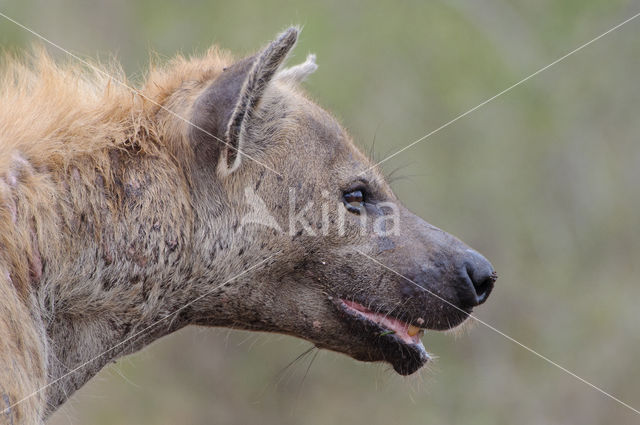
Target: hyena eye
354, 201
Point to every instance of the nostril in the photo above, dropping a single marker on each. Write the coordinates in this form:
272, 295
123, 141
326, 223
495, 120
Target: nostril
482, 276
484, 287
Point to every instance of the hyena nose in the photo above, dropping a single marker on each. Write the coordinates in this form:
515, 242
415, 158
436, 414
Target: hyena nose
479, 276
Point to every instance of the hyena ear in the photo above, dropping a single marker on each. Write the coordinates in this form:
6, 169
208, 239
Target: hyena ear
222, 113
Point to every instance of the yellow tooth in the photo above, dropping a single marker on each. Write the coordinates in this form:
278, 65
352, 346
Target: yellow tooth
413, 330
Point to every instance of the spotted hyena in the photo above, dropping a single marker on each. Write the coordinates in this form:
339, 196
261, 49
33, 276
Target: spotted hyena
217, 194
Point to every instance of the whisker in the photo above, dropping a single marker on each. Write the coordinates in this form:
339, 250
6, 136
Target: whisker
372, 149
306, 372
281, 374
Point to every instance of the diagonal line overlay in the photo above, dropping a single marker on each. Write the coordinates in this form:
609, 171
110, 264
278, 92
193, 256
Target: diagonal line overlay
135, 335
138, 92
442, 127
499, 332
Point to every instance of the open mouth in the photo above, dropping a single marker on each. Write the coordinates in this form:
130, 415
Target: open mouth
395, 341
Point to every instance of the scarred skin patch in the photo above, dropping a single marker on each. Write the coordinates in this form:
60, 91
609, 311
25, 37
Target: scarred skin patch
7, 408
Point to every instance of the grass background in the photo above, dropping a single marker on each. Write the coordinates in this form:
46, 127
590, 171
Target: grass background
544, 181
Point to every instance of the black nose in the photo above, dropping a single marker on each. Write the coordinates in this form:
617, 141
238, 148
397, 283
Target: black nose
480, 277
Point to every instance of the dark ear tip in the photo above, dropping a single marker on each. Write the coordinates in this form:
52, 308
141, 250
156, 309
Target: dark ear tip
290, 35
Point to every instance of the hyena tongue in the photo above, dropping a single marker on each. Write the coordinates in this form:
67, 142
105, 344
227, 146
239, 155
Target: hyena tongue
408, 333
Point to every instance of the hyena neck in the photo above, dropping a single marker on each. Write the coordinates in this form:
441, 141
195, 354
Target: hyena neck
111, 295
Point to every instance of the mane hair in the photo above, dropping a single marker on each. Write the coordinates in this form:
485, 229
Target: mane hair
55, 113
60, 125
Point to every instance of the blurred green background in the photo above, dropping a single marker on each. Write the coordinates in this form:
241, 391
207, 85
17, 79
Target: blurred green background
544, 181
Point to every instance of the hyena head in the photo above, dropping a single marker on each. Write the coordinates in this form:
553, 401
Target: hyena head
344, 264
